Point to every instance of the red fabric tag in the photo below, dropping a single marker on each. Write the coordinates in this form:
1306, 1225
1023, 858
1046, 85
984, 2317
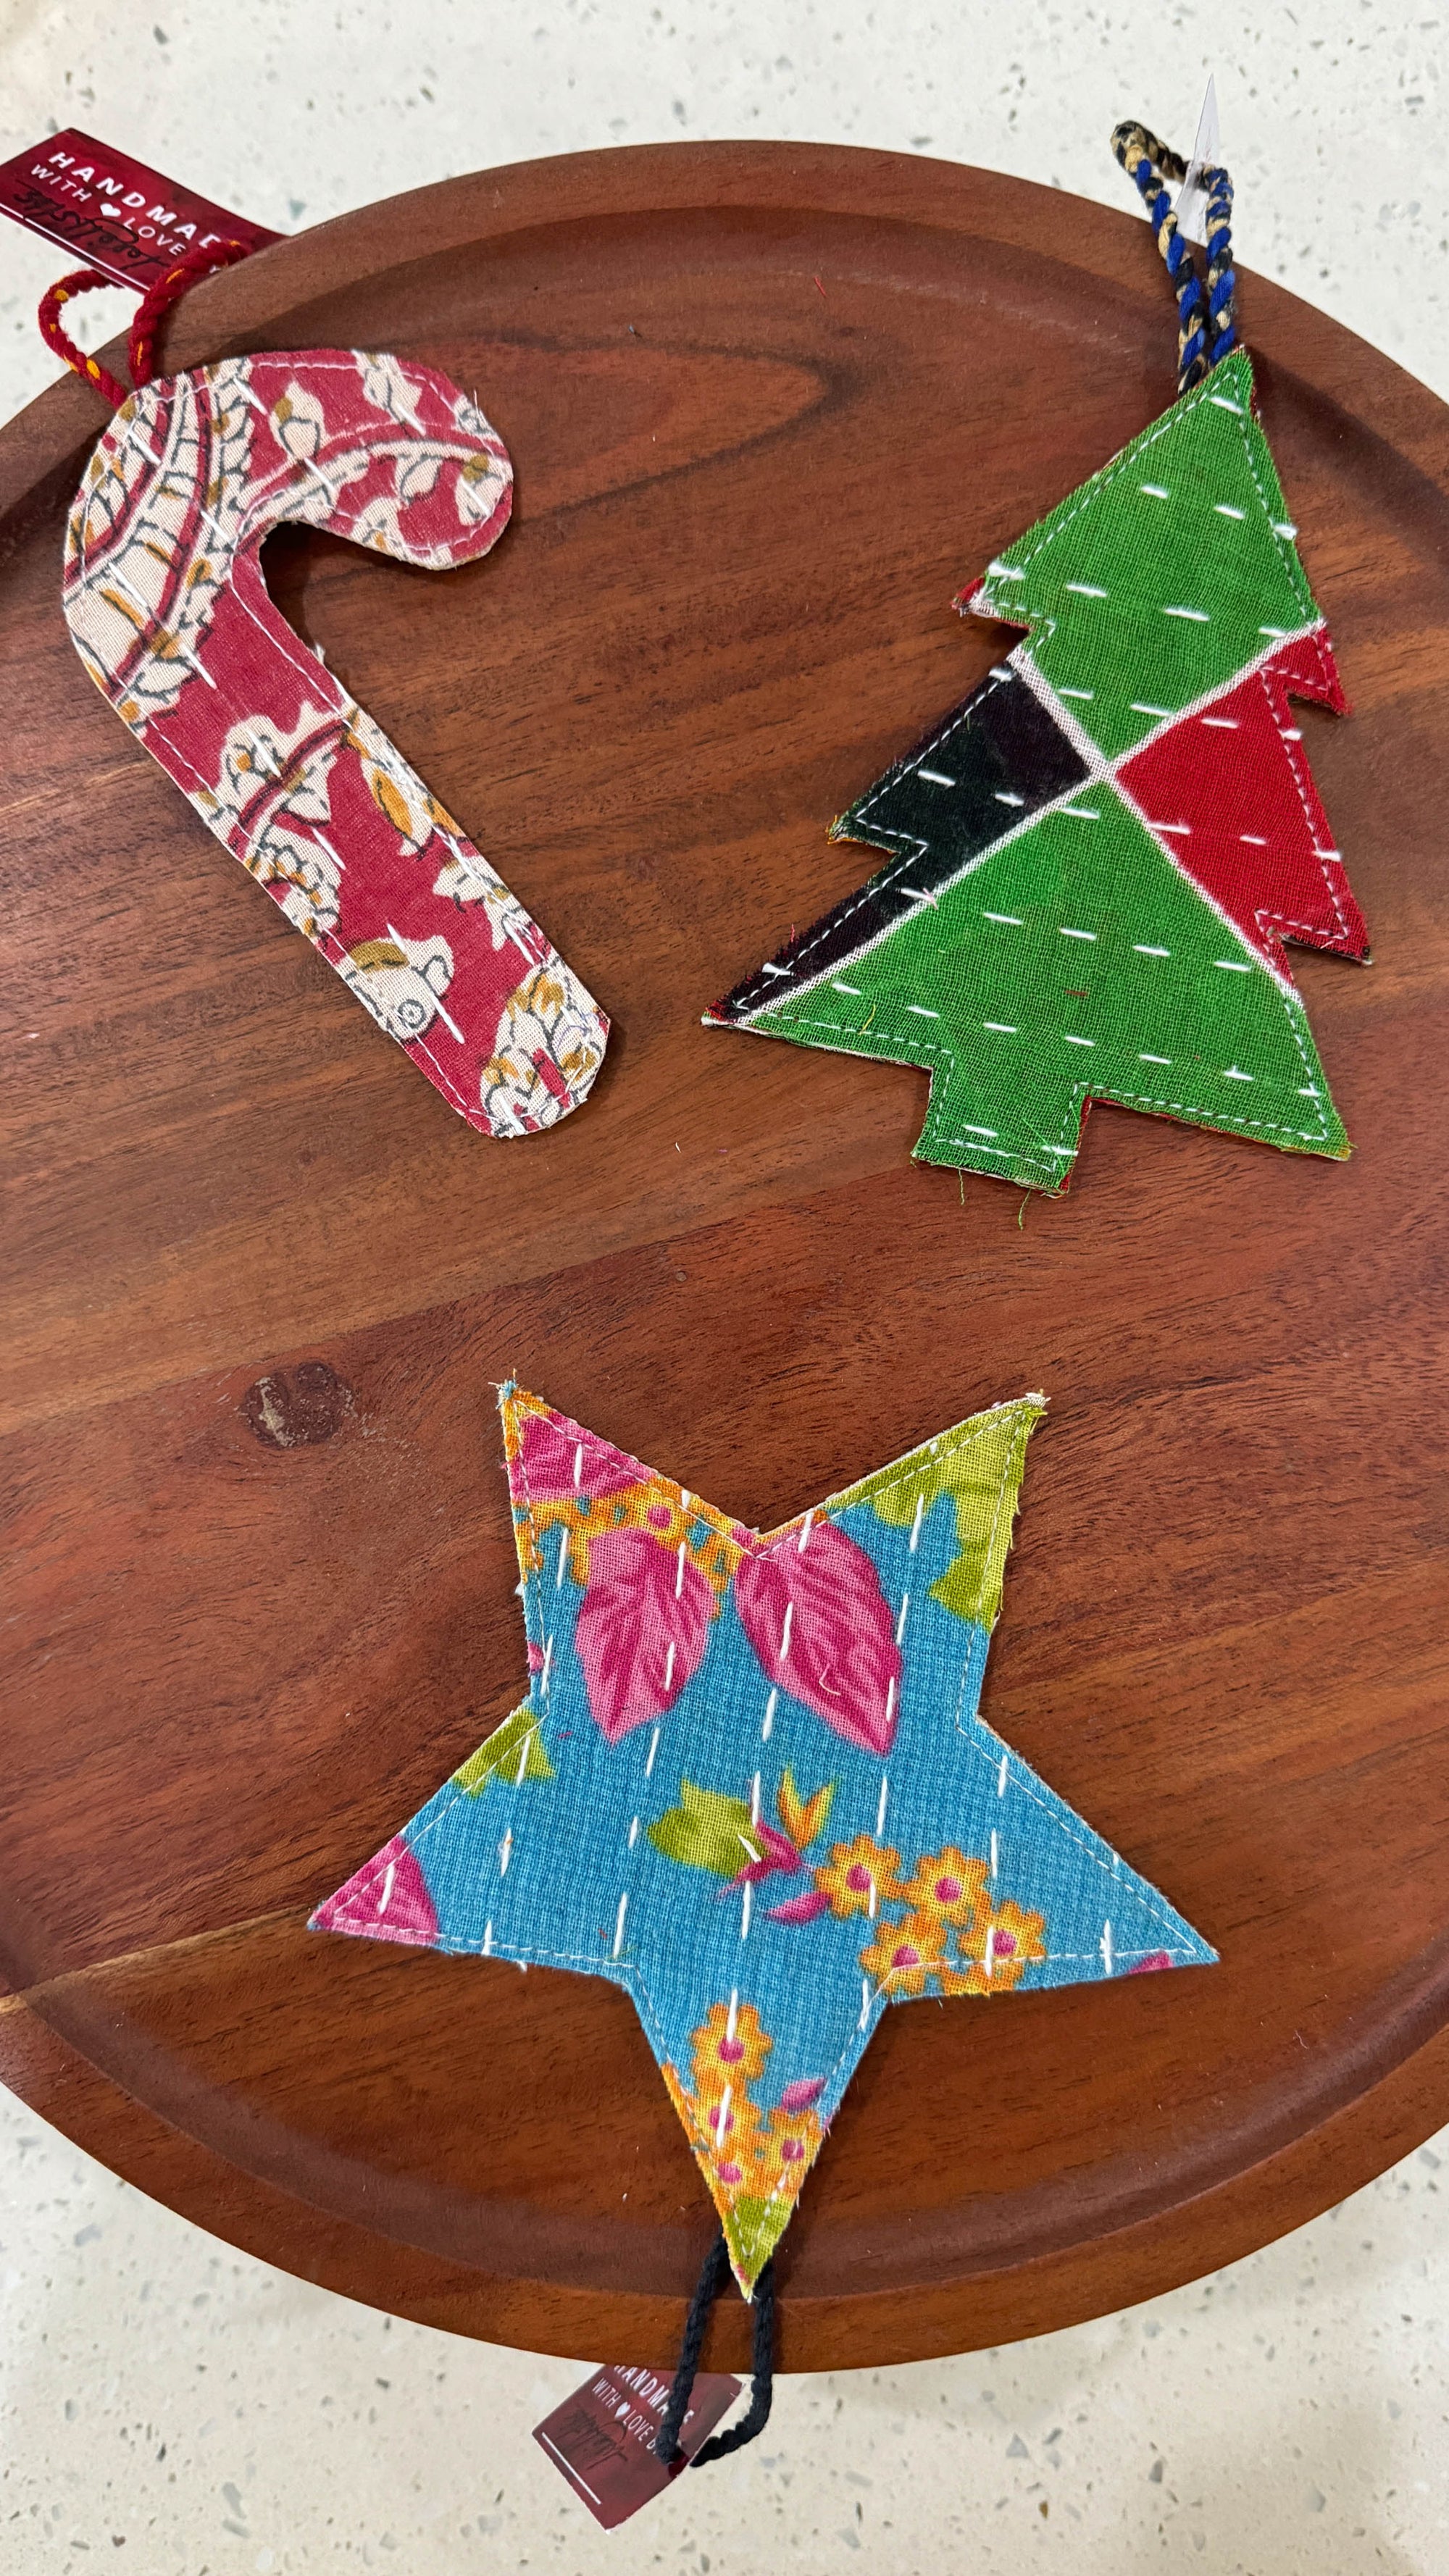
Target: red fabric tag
112, 212
602, 2438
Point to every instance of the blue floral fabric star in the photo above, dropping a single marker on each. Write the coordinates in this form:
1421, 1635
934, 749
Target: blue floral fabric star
750, 1784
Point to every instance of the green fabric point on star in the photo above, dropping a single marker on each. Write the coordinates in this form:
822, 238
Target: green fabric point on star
753, 2228
980, 1465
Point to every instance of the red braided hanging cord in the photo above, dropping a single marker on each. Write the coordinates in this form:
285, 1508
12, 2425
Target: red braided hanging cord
147, 322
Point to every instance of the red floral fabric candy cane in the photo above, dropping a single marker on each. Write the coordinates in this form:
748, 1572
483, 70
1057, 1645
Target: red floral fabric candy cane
169, 612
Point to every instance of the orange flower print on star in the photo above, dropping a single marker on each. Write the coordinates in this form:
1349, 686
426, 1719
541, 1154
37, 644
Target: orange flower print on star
904, 1956
792, 2155
730, 2123
948, 1885
730, 2047
572, 1491
1002, 1946
756, 2161
653, 1507
659, 1509
723, 2124
859, 1877
789, 2143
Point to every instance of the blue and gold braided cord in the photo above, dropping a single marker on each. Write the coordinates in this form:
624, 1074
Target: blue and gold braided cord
1149, 165
1222, 280
1205, 314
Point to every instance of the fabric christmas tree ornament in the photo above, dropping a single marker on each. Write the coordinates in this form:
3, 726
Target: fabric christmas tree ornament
750, 1785
1095, 860
170, 614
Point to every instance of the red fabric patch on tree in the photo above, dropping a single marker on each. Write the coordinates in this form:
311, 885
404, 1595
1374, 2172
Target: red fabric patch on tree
1257, 840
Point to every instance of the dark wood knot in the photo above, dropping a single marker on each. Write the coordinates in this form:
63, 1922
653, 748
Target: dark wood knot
295, 1408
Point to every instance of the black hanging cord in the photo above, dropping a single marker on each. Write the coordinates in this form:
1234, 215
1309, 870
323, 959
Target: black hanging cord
711, 2281
757, 2415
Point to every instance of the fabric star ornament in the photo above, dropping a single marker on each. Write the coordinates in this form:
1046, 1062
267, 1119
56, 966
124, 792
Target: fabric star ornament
1095, 860
750, 1785
170, 614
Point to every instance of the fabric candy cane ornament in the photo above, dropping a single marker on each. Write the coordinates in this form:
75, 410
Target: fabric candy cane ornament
1095, 860
750, 1785
170, 614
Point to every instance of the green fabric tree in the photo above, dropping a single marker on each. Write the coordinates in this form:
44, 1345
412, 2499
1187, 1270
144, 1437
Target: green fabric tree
1095, 860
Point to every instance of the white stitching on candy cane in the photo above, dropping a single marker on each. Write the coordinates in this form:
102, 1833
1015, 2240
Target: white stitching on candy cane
187, 728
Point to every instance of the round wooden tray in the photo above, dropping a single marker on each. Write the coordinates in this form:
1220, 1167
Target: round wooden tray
768, 407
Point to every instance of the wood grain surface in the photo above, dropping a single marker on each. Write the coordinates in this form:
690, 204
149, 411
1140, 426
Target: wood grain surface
768, 407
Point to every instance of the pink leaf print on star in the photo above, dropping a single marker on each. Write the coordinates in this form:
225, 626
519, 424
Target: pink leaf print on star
776, 1852
555, 1463
800, 1909
822, 1629
803, 2094
641, 1629
388, 1899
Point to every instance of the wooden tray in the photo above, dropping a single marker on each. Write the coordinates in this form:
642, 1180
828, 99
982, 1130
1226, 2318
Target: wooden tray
768, 406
